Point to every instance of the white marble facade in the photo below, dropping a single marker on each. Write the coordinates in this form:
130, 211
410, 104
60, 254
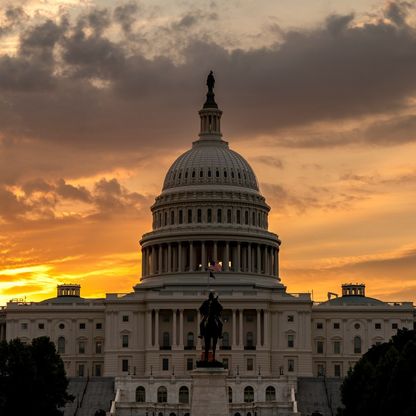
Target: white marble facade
210, 208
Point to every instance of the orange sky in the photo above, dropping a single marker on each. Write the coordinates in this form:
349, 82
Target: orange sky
93, 113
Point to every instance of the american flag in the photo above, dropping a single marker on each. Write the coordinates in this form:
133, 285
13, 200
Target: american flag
214, 266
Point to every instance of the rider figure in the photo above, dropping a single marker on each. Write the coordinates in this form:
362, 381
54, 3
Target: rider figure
210, 307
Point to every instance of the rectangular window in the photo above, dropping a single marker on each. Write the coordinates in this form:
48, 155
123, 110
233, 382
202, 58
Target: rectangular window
337, 370
180, 216
165, 364
41, 326
377, 326
82, 325
250, 364
97, 370
98, 347
290, 365
238, 216
189, 364
319, 325
337, 347
320, 347
290, 341
321, 370
394, 326
199, 215
81, 347
336, 325
189, 216
124, 365
125, 318
98, 325
225, 363
81, 370
23, 326
291, 318
125, 341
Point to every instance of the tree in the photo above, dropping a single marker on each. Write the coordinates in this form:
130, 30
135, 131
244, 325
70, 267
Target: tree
383, 382
32, 379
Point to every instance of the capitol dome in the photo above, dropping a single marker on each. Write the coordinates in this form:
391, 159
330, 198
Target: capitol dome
210, 162
210, 211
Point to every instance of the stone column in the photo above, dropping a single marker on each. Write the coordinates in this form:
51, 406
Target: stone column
258, 328
203, 256
143, 262
191, 256
238, 257
157, 328
181, 329
198, 320
152, 257
169, 262
276, 262
249, 258
215, 252
149, 328
258, 259
240, 323
160, 259
180, 257
234, 341
174, 336
266, 336
226, 261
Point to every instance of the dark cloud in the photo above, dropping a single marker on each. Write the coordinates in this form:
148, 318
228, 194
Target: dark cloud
13, 16
68, 191
72, 86
125, 15
41, 200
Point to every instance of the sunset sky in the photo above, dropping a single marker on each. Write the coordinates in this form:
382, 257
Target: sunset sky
98, 98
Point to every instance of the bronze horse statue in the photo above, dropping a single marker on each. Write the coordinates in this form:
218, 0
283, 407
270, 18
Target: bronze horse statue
211, 325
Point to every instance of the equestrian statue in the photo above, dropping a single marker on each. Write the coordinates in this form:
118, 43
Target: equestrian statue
210, 329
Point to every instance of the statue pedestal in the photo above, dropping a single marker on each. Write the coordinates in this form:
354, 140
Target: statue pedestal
209, 392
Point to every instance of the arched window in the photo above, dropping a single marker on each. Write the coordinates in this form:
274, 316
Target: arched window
166, 218
229, 216
237, 414
249, 339
219, 215
248, 394
230, 394
199, 215
246, 217
225, 173
172, 414
186, 175
217, 173
270, 394
162, 394
209, 215
166, 339
357, 345
259, 223
172, 218
209, 173
253, 220
190, 339
61, 345
238, 216
140, 394
180, 216
225, 339
184, 395
201, 173
193, 173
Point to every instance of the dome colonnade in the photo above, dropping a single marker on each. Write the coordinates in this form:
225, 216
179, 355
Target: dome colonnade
210, 210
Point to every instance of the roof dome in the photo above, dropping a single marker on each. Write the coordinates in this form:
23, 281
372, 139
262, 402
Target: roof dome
210, 162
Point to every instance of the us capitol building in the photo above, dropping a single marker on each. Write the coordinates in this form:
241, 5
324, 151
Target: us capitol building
210, 209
